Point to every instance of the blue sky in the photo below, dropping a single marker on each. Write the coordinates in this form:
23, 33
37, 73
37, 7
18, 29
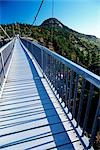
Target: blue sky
80, 15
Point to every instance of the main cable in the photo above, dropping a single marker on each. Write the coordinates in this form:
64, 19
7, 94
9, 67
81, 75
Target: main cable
38, 12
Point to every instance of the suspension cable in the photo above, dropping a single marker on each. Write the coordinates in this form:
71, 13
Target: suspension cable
5, 32
35, 16
38, 11
52, 21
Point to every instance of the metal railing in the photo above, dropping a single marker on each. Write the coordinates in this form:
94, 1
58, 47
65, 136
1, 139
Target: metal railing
77, 87
4, 41
5, 56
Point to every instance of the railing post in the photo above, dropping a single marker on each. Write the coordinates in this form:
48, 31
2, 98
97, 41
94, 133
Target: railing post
42, 60
66, 96
27, 44
94, 125
75, 96
70, 90
31, 46
2, 62
81, 102
90, 95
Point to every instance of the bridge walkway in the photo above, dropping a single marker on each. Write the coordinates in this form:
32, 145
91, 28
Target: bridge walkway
30, 115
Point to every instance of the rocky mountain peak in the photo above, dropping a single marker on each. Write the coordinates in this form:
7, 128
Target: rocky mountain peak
52, 22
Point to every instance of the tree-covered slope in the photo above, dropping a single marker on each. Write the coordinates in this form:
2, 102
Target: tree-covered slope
80, 48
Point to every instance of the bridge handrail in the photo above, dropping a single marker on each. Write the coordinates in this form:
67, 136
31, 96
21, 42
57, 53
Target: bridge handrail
88, 75
5, 56
4, 46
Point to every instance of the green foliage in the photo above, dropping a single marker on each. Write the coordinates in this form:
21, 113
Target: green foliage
62, 40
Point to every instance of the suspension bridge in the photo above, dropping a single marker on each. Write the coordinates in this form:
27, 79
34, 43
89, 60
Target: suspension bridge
38, 105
